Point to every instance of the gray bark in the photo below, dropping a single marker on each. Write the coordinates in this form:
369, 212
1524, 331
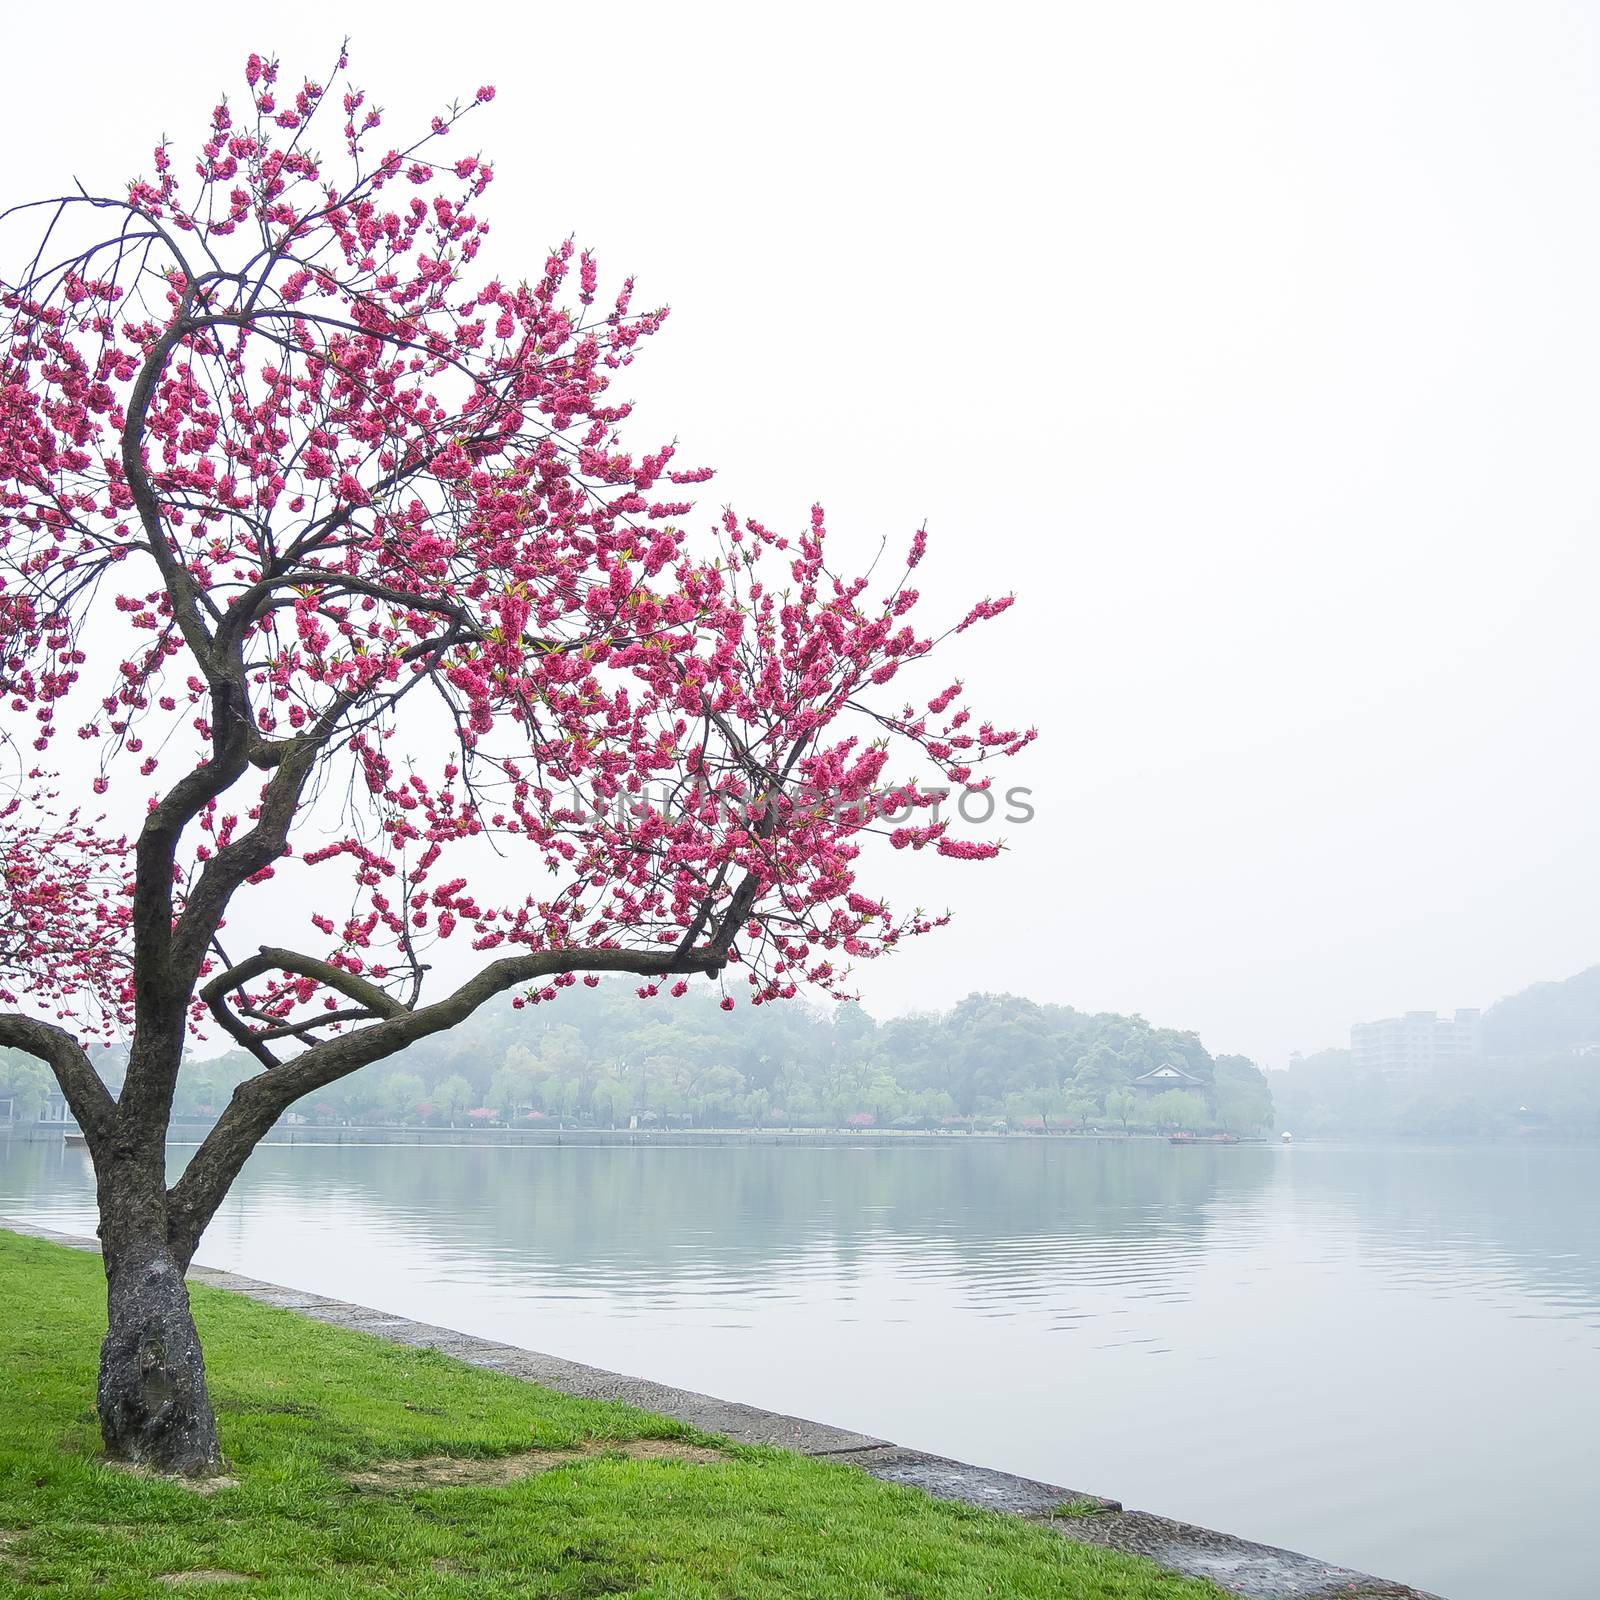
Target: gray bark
154, 1407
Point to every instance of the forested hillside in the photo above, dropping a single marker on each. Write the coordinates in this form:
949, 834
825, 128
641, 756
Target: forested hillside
602, 1057
1539, 1072
1546, 1018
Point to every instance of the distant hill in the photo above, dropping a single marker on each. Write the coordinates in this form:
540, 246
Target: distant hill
1546, 1019
1537, 1075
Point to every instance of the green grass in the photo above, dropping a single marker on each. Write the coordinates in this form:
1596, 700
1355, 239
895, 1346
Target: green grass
302, 1407
1079, 1508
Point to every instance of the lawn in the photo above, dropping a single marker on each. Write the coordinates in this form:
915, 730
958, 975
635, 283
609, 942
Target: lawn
360, 1468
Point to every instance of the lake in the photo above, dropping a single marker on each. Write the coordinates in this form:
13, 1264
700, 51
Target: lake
1386, 1356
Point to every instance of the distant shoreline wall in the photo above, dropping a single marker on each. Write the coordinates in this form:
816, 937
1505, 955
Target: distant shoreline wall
593, 1137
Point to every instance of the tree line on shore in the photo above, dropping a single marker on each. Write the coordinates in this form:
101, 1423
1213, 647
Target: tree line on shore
1546, 1092
1537, 1072
601, 1059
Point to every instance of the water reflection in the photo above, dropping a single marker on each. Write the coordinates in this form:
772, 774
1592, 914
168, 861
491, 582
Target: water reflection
1344, 1350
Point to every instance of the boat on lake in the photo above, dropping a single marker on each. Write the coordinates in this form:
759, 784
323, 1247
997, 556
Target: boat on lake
1203, 1138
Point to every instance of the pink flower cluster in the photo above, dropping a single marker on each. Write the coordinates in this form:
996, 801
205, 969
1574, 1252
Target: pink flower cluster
316, 504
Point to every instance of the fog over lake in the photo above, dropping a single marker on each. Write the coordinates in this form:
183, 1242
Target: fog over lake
1360, 1352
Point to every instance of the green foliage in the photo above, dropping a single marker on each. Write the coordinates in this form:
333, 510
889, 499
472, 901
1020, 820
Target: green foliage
1538, 1073
401, 1096
1122, 1106
451, 1097
302, 1406
1083, 1506
1179, 1110
1494, 1095
1546, 1019
1244, 1101
26, 1082
601, 1058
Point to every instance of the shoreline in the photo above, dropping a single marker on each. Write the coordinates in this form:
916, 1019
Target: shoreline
383, 1134
1244, 1567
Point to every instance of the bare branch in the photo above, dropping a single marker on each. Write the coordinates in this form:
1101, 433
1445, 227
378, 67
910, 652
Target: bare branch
89, 1099
259, 1101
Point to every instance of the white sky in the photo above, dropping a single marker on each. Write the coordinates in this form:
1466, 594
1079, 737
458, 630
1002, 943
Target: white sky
1255, 345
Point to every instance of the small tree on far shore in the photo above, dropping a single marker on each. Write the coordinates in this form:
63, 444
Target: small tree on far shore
326, 539
1122, 1105
452, 1098
1179, 1110
28, 1086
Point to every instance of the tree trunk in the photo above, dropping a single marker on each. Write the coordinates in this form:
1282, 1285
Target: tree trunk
154, 1407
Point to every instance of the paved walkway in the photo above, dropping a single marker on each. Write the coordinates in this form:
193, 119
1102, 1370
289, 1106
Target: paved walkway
1255, 1571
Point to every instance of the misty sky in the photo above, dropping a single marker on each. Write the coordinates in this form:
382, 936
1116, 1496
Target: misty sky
1256, 346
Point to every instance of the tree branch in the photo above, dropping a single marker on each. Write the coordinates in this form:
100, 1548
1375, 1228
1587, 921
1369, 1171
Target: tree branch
88, 1098
258, 1102
374, 1002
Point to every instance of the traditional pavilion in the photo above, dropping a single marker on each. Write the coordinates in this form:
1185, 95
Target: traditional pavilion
1167, 1077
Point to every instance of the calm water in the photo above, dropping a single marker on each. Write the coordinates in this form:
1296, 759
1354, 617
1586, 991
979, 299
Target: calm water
1389, 1357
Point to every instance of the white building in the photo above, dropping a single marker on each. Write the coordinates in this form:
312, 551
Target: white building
1415, 1042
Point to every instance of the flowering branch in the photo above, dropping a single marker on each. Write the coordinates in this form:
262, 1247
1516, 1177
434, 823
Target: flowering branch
276, 452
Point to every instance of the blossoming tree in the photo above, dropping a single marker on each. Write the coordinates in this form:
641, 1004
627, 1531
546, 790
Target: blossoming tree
326, 545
